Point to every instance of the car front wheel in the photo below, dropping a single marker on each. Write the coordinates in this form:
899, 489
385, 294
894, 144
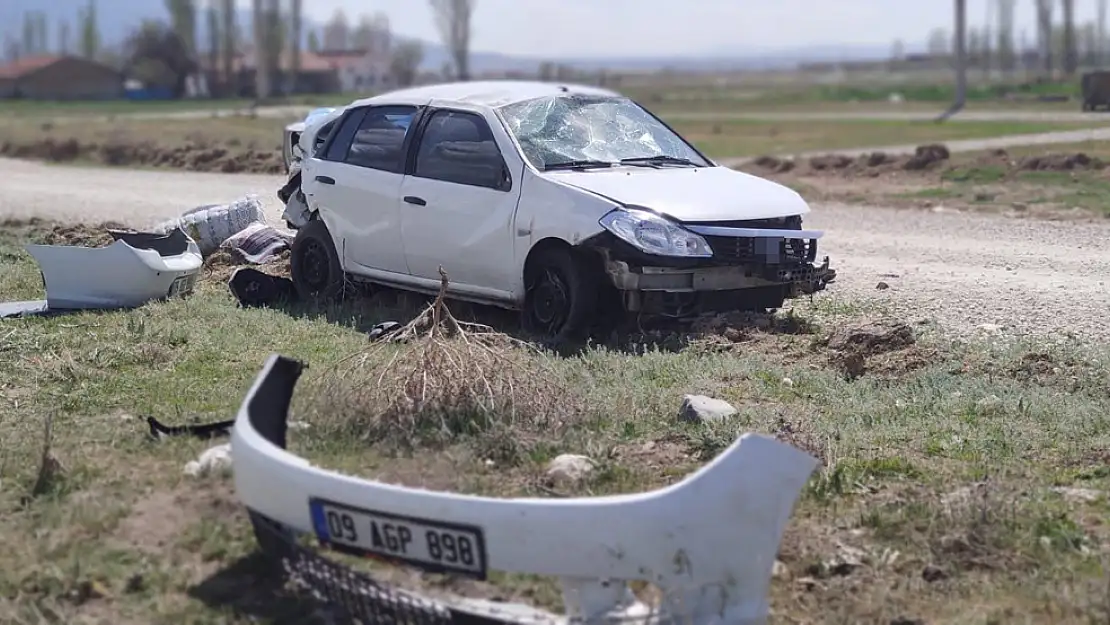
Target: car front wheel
561, 296
314, 263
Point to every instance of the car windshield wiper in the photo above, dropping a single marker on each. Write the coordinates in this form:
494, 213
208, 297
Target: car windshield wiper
582, 164
660, 159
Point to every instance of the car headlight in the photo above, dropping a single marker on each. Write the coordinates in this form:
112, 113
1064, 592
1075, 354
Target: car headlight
653, 234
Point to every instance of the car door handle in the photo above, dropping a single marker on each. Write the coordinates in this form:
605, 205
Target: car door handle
419, 201
325, 179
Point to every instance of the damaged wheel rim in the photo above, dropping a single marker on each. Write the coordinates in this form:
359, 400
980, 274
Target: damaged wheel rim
315, 265
550, 302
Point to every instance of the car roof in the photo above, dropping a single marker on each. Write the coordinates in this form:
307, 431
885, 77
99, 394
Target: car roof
491, 93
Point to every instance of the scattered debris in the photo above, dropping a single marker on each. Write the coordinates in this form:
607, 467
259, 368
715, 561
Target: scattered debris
213, 460
702, 409
383, 330
253, 288
258, 243
210, 225
569, 470
158, 430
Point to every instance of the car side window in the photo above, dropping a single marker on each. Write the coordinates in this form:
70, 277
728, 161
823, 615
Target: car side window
343, 133
379, 142
459, 147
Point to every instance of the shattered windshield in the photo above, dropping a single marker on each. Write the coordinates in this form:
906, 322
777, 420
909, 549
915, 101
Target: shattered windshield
594, 130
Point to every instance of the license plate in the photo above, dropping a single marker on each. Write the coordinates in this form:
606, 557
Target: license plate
430, 545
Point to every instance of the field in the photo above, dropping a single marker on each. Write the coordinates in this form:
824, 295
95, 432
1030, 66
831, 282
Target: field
963, 464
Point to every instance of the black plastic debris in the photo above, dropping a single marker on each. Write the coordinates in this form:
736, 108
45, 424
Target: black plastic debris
203, 431
256, 289
383, 330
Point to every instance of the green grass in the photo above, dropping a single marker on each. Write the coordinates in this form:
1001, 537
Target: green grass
942, 457
751, 137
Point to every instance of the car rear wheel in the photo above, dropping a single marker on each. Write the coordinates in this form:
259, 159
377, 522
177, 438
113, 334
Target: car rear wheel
314, 263
561, 296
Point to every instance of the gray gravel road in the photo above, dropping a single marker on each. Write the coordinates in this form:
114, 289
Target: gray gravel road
964, 270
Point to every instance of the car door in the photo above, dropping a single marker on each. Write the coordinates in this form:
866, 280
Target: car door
458, 205
362, 178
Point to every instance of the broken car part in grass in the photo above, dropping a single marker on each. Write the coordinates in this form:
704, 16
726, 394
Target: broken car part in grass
708, 542
143, 266
136, 268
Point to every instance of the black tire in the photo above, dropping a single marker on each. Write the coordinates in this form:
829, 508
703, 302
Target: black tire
560, 299
316, 270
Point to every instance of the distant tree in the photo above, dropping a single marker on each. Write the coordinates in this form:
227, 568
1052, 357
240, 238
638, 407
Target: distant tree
404, 63
12, 50
229, 29
29, 45
313, 41
212, 16
1071, 56
898, 50
372, 34
90, 32
63, 38
453, 21
939, 41
546, 71
157, 55
337, 32
183, 18
296, 26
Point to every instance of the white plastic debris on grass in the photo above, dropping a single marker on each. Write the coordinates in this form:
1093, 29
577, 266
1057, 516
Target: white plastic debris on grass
216, 460
133, 270
211, 225
259, 242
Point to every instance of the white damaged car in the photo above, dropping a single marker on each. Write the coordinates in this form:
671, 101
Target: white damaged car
564, 202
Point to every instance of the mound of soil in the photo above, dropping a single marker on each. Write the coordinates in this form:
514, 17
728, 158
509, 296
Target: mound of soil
1061, 162
193, 156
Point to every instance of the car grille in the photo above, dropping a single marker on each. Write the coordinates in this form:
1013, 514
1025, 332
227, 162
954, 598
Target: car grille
760, 250
770, 251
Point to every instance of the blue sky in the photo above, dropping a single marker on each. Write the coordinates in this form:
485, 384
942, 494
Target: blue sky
681, 27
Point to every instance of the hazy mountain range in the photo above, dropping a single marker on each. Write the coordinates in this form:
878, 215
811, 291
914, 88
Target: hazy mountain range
117, 18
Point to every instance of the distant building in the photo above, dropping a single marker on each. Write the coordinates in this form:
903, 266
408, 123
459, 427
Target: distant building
347, 71
60, 78
359, 70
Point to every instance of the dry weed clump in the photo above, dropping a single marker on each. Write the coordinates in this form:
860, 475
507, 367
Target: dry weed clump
438, 380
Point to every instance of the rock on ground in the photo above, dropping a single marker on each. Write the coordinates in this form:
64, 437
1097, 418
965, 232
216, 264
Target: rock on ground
701, 409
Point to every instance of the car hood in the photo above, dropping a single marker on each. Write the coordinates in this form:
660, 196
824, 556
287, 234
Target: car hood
690, 194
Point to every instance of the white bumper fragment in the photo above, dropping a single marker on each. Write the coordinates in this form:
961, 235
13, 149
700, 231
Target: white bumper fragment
709, 542
135, 269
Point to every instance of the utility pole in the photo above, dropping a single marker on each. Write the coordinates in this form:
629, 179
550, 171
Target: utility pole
959, 58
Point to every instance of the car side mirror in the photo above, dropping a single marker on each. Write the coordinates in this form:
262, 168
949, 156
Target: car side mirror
506, 181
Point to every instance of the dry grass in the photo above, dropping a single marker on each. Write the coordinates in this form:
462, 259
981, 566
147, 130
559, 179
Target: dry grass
443, 381
960, 482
